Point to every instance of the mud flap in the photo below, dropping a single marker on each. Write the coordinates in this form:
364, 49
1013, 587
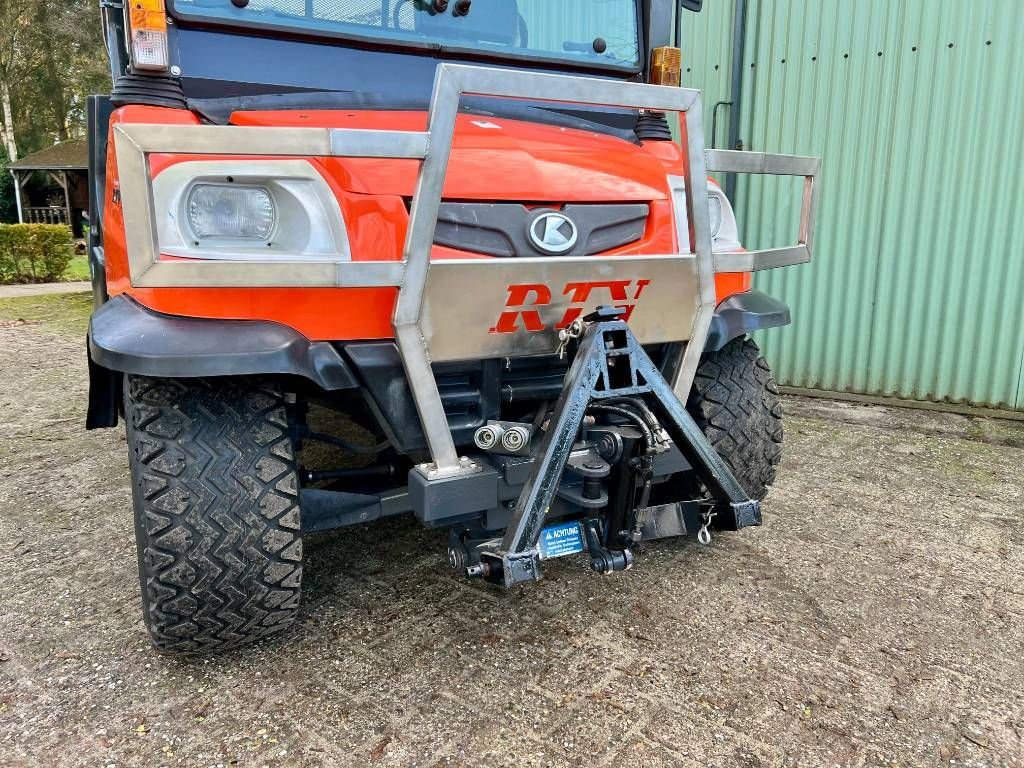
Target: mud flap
104, 395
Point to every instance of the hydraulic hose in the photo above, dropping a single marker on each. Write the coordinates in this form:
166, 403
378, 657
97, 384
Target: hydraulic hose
382, 472
360, 450
643, 467
641, 408
629, 415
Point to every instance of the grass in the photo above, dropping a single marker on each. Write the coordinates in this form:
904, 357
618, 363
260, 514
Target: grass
65, 313
78, 269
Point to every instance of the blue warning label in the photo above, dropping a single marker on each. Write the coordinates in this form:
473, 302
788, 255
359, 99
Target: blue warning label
561, 540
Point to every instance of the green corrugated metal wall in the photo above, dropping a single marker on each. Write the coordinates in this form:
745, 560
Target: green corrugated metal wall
917, 107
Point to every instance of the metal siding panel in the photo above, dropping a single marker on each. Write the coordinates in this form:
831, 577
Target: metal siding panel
916, 286
707, 58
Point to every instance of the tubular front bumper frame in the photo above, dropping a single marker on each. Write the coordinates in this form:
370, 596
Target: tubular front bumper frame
135, 142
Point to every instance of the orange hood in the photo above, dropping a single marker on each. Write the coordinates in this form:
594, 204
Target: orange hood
493, 159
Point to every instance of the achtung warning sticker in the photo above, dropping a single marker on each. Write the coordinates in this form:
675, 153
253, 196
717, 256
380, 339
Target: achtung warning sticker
561, 540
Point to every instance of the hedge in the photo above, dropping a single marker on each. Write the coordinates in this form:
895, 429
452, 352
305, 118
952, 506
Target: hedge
34, 253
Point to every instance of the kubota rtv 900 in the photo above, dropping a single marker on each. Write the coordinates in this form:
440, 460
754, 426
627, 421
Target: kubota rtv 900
460, 229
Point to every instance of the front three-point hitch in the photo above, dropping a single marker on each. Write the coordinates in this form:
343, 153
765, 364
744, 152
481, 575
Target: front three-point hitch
612, 376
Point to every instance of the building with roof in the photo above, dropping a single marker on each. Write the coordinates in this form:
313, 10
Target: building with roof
52, 185
916, 109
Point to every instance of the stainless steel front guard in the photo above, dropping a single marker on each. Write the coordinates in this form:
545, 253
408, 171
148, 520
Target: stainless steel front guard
134, 143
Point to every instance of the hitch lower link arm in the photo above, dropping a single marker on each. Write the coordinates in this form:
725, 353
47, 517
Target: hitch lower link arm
609, 363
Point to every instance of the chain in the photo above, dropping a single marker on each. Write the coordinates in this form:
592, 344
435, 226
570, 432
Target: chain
704, 534
572, 332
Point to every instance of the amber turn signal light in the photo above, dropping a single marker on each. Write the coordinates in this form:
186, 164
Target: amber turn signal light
666, 66
148, 35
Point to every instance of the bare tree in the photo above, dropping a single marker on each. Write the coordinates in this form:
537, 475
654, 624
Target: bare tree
13, 23
51, 58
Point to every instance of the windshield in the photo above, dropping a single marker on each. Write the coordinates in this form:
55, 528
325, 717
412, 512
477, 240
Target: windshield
582, 32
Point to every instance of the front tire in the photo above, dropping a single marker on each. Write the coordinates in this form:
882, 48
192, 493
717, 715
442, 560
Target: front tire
737, 404
217, 517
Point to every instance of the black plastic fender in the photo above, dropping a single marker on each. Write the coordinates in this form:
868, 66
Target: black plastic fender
744, 313
125, 337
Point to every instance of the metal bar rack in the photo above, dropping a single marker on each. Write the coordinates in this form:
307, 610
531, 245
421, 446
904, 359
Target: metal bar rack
680, 310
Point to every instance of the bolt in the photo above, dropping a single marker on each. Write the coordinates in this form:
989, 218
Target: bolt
176, 70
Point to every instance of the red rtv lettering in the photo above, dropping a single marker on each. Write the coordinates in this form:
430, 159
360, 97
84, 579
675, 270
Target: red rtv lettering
522, 307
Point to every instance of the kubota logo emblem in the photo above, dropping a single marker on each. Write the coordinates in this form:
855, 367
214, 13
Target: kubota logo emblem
554, 232
522, 309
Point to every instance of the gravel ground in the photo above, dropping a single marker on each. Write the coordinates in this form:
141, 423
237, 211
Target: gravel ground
875, 619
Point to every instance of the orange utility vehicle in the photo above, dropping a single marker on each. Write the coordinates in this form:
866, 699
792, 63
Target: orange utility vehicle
455, 241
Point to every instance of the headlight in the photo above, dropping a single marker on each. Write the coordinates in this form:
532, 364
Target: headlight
724, 234
248, 210
231, 211
715, 212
